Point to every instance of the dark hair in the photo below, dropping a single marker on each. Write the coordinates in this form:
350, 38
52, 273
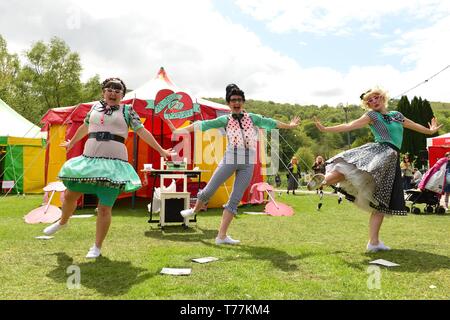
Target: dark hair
233, 90
364, 93
114, 83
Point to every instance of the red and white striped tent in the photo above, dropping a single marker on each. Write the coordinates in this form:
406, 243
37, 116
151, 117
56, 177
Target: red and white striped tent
437, 147
153, 101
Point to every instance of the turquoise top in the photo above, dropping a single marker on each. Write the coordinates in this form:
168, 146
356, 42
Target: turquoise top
221, 122
387, 127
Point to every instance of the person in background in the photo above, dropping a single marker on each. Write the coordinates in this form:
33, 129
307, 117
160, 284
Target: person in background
293, 175
447, 183
417, 176
406, 168
319, 167
277, 180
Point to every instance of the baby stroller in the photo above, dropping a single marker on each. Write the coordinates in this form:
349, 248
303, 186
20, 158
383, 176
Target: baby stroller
430, 189
427, 197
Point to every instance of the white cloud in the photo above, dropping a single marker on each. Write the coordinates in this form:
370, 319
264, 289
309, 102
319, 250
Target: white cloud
330, 16
203, 51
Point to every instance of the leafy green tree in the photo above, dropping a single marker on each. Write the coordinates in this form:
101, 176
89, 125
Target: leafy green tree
53, 74
91, 90
405, 108
9, 70
306, 158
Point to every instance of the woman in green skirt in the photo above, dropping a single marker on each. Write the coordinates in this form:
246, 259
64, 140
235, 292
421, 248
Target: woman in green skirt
103, 168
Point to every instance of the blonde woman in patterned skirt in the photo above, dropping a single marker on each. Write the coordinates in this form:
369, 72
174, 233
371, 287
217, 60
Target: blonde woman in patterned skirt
370, 174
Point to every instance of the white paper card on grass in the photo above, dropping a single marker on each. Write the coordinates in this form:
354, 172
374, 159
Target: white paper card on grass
44, 237
176, 271
205, 260
81, 216
255, 213
383, 262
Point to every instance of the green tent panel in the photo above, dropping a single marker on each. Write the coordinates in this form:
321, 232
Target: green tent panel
14, 166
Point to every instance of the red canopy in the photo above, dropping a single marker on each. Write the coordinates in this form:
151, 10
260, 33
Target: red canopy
154, 101
437, 147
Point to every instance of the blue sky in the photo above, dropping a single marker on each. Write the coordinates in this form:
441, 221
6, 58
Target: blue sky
339, 52
295, 51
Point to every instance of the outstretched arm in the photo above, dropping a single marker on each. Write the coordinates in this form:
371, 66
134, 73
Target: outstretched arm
203, 125
81, 132
145, 135
189, 128
355, 124
294, 123
433, 126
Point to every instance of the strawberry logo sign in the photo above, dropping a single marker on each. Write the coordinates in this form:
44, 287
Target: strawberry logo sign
173, 105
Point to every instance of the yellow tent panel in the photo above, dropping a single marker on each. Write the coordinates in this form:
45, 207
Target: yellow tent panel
25, 141
57, 155
209, 150
34, 177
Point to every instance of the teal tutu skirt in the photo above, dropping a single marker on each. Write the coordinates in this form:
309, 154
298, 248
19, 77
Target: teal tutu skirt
111, 173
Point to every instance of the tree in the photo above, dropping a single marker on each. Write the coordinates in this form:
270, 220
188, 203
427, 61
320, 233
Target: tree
420, 112
404, 107
53, 74
90, 90
306, 158
9, 70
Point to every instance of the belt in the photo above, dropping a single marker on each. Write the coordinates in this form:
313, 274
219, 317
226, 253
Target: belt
391, 146
106, 136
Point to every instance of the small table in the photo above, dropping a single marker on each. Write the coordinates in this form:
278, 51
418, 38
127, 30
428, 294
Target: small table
177, 174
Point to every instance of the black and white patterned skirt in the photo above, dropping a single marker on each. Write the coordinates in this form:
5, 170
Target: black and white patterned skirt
372, 177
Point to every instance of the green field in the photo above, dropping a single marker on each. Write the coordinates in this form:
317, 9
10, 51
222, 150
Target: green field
311, 255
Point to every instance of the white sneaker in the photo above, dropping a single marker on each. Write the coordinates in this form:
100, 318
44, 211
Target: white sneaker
379, 247
53, 228
93, 252
227, 240
187, 213
316, 182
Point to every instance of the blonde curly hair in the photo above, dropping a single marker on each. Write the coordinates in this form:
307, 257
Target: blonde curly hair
372, 92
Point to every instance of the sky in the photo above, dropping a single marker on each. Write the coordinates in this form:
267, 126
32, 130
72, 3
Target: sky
288, 51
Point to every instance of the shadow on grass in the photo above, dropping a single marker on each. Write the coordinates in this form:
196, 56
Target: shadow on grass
409, 260
179, 234
109, 278
280, 259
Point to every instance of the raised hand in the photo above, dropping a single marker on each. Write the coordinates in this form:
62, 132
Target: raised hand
166, 153
295, 122
319, 126
434, 126
66, 144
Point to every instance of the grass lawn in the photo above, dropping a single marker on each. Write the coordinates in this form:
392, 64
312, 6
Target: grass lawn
311, 255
